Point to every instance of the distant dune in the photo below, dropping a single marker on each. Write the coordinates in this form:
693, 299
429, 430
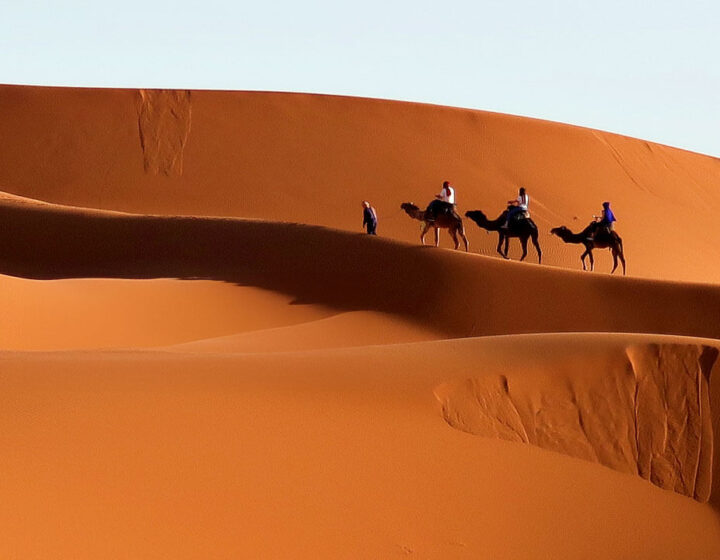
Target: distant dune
312, 159
201, 355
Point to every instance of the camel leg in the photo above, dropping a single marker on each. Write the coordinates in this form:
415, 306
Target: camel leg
592, 260
523, 242
537, 248
423, 232
507, 244
460, 230
615, 261
465, 240
622, 260
582, 258
453, 234
437, 237
501, 238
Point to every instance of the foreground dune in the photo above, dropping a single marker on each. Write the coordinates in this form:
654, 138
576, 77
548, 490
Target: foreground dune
337, 454
201, 356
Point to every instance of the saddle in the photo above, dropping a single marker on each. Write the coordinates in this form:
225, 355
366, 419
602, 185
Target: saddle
602, 233
439, 208
517, 217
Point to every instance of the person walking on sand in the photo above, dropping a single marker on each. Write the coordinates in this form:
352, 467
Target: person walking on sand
444, 202
369, 218
518, 205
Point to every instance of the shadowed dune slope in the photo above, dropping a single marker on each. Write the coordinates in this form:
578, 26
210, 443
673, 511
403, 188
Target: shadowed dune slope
334, 454
312, 158
458, 294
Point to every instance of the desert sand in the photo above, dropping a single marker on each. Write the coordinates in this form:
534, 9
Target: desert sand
202, 356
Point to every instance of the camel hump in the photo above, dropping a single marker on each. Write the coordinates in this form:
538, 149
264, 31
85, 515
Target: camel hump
521, 218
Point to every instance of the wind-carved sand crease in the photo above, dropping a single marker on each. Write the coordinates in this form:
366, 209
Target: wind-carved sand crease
164, 118
651, 419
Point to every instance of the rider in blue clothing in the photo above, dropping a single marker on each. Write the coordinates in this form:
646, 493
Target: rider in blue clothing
606, 221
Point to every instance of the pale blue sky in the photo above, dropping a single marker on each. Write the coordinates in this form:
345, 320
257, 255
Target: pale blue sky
646, 69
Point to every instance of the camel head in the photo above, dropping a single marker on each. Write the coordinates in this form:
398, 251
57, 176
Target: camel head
477, 216
561, 232
412, 210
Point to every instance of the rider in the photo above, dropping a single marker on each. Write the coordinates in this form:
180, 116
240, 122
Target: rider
606, 221
520, 204
444, 202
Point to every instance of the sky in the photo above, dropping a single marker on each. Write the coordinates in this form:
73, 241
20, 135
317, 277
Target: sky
646, 69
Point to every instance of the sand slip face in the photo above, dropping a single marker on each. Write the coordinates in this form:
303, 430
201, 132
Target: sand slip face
201, 356
647, 413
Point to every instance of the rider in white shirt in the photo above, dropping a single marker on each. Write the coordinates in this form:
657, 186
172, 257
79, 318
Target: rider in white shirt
520, 204
444, 203
447, 194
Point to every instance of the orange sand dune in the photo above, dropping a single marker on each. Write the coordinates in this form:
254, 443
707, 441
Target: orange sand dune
312, 159
345, 330
202, 356
102, 313
452, 292
334, 454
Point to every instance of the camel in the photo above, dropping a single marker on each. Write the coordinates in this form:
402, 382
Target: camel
586, 238
451, 222
523, 228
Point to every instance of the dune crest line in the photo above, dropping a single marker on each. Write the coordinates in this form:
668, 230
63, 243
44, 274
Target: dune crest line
50, 242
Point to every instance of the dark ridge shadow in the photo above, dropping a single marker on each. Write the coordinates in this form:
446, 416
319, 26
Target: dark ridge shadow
312, 264
454, 293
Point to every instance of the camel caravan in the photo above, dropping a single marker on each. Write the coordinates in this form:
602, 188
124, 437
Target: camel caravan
515, 222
